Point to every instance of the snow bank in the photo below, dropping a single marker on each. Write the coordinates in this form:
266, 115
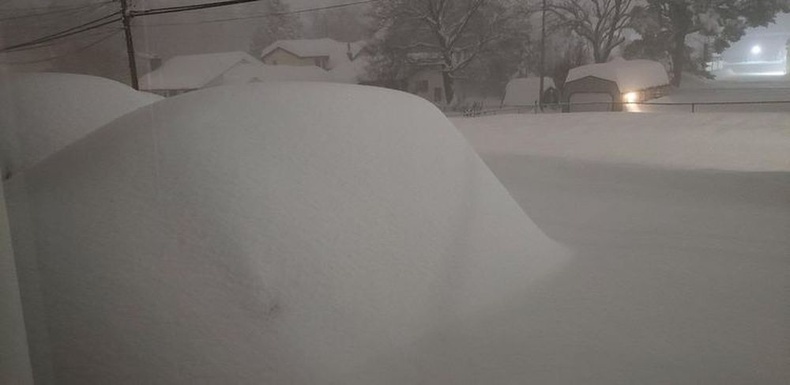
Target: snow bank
682, 270
744, 142
524, 92
273, 234
41, 113
630, 75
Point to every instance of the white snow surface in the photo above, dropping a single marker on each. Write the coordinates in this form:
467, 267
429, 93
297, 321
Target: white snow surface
273, 234
524, 91
248, 73
189, 72
41, 113
740, 142
630, 75
680, 223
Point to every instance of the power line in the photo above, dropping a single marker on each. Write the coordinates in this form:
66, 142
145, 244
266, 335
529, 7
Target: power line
59, 11
81, 49
67, 32
185, 8
47, 7
275, 14
40, 46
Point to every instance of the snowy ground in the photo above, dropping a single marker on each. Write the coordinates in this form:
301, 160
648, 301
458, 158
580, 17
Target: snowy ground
728, 89
683, 256
266, 234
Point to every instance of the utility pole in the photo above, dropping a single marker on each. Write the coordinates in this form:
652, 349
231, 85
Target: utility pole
127, 18
542, 54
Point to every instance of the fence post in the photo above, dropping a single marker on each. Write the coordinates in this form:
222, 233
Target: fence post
693, 108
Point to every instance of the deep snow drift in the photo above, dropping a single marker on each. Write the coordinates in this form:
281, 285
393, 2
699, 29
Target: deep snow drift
40, 113
273, 234
681, 225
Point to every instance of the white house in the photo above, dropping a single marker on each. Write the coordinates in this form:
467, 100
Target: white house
256, 72
325, 53
191, 72
346, 61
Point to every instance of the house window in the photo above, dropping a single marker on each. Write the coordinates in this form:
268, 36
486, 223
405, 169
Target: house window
422, 86
437, 94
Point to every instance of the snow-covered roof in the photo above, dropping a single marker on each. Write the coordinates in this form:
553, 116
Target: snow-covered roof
41, 113
630, 75
189, 72
336, 51
250, 73
524, 91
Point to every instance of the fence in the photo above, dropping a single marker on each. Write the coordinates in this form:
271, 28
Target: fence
693, 107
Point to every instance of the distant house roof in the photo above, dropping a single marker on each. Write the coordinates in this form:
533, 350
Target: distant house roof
630, 75
193, 71
336, 51
251, 73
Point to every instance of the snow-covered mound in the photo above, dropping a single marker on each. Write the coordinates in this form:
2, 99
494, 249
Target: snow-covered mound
732, 142
40, 113
524, 92
630, 75
275, 234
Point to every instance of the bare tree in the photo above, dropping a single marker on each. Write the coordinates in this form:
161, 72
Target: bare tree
444, 34
600, 22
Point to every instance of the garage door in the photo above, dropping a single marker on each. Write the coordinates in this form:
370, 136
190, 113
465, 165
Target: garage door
590, 102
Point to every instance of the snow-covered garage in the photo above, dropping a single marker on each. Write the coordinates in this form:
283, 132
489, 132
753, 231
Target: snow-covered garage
606, 86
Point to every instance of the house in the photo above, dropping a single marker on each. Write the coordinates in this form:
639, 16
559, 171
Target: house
427, 83
325, 53
187, 73
256, 72
606, 86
